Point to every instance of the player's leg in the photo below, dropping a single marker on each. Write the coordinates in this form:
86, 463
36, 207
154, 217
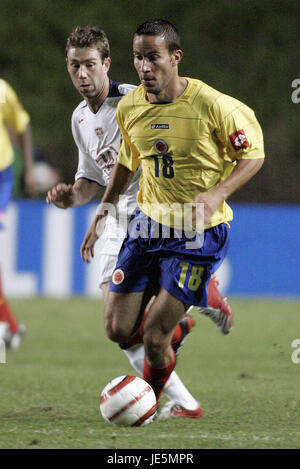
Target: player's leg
175, 390
178, 394
15, 332
180, 333
218, 309
136, 268
164, 315
183, 275
12, 332
136, 327
125, 298
139, 261
5, 311
122, 315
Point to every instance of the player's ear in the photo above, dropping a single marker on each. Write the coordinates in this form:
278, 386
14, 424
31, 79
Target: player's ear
67, 58
176, 57
106, 63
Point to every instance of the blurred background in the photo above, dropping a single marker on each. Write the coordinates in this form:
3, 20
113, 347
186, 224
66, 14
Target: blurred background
248, 49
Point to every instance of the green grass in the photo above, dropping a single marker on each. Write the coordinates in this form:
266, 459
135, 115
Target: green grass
246, 381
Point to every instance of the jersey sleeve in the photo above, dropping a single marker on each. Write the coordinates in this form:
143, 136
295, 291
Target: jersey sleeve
87, 168
237, 128
128, 154
13, 112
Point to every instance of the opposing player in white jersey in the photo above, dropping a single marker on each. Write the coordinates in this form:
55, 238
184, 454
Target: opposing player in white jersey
98, 138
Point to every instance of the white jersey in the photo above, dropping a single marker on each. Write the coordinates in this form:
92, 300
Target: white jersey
98, 139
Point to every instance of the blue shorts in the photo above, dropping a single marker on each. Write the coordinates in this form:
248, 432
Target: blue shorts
6, 186
169, 261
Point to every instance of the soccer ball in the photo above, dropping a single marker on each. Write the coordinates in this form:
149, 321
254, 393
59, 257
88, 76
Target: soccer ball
128, 401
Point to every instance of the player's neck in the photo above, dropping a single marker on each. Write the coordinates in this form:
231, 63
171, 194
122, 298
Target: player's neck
174, 89
95, 102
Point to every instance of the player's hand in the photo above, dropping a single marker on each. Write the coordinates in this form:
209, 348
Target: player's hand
93, 233
204, 206
62, 195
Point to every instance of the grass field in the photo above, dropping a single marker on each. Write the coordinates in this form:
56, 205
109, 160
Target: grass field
246, 381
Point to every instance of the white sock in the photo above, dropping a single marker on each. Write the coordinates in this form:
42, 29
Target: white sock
174, 387
4, 328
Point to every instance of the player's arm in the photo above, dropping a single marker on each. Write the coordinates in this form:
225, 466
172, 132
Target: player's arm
122, 174
67, 195
244, 170
235, 126
120, 179
25, 143
118, 183
17, 120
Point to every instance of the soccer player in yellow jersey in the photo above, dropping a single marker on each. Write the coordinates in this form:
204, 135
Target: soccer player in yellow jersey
13, 118
196, 146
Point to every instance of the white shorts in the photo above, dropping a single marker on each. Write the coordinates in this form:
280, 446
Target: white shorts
110, 242
107, 263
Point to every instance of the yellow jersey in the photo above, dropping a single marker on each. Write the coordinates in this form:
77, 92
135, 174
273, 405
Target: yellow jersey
11, 113
185, 147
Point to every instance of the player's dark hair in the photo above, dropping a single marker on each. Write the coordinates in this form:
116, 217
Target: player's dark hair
89, 36
158, 27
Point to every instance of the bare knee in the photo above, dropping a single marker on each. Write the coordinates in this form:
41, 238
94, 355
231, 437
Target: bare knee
115, 330
117, 326
120, 315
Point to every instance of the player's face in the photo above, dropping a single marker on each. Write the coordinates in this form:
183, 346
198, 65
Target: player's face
88, 73
156, 67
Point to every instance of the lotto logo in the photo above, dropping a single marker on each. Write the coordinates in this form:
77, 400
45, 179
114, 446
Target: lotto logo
159, 126
238, 140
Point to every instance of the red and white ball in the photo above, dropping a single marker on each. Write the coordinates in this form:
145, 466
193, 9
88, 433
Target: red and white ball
128, 401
